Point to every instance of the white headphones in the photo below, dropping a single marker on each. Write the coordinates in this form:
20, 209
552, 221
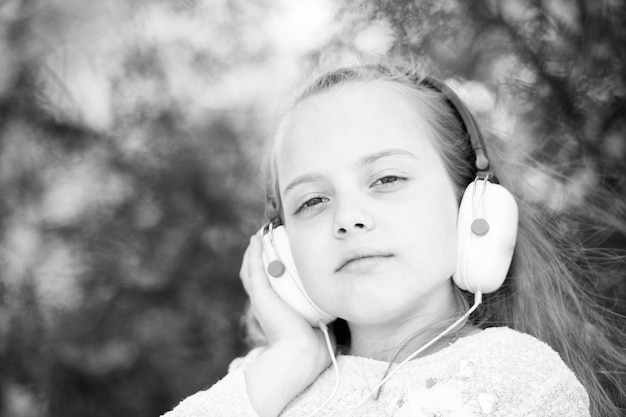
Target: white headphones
486, 230
284, 278
488, 214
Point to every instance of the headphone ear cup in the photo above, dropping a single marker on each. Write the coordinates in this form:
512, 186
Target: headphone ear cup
486, 234
281, 272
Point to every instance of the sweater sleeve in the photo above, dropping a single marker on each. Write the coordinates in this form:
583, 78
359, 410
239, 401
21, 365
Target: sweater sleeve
227, 398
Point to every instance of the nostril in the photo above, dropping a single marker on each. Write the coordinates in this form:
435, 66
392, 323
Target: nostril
359, 226
342, 230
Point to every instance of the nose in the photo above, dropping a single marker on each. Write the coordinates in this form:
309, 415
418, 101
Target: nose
351, 218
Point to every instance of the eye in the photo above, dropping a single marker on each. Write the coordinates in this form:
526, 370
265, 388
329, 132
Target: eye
310, 203
388, 180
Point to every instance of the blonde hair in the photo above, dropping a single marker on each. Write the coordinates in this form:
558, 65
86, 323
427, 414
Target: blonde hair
549, 291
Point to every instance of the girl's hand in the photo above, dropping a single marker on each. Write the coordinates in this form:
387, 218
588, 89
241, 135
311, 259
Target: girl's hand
297, 352
279, 321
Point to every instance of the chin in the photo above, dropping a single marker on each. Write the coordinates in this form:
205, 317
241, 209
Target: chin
374, 311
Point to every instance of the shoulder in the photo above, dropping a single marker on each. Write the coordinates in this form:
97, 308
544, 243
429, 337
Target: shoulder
493, 339
509, 348
495, 372
227, 397
502, 352
519, 369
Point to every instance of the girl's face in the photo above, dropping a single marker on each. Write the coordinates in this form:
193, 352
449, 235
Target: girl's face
369, 208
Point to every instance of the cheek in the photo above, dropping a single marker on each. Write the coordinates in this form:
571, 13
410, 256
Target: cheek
441, 248
307, 257
433, 236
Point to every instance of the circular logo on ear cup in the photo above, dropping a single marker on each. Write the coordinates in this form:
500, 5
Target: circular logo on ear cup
276, 268
480, 227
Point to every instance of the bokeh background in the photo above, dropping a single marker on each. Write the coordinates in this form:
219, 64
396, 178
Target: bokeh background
131, 135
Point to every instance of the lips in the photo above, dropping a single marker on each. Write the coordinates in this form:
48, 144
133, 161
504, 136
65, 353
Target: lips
361, 257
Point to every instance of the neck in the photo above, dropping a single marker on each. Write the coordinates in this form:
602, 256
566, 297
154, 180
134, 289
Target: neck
381, 341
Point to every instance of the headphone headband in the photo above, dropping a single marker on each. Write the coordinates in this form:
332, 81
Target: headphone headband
471, 127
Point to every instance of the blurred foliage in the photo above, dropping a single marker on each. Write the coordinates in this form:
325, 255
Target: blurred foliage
131, 136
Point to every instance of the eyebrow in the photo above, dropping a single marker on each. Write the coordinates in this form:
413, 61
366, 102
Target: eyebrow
370, 159
366, 160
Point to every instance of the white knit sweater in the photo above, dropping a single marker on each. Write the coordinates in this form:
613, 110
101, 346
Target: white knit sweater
497, 372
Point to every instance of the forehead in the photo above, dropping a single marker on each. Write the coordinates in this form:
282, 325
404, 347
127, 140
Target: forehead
348, 122
372, 106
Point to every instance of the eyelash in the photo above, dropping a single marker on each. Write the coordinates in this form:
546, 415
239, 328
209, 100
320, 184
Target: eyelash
305, 205
395, 178
382, 181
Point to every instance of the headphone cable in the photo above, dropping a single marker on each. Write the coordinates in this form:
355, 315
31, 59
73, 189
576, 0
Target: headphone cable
331, 352
478, 297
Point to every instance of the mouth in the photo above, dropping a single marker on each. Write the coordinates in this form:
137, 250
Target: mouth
360, 260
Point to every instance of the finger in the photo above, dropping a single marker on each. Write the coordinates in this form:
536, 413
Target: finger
266, 304
243, 271
265, 301
257, 280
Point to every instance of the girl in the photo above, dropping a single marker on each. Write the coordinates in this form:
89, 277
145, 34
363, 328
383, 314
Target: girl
366, 176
